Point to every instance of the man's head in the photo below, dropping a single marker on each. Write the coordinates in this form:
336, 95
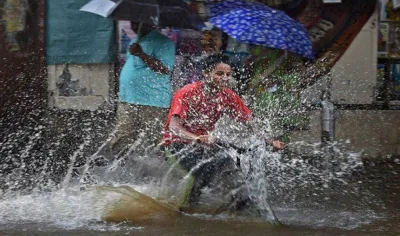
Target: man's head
217, 71
146, 28
212, 41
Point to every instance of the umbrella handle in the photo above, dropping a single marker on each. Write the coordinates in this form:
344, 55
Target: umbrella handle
138, 32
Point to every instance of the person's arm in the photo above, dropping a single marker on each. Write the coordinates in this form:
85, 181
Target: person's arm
275, 143
153, 63
243, 113
176, 127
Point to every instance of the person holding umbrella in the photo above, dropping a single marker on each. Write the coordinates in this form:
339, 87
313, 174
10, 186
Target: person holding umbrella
144, 87
145, 90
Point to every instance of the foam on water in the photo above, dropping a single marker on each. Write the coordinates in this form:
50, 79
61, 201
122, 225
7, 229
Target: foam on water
68, 209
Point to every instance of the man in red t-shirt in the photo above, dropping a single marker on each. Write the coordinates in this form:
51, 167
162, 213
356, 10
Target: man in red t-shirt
194, 111
196, 108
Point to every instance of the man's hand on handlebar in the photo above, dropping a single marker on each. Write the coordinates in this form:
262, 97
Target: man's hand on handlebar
206, 139
276, 144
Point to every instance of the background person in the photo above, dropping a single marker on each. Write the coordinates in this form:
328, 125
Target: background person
144, 88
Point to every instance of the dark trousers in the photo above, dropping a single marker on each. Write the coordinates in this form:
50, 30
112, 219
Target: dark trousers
215, 171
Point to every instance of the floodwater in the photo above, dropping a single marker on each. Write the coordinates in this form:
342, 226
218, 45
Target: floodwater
364, 202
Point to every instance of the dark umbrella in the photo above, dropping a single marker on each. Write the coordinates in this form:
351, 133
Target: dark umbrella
162, 13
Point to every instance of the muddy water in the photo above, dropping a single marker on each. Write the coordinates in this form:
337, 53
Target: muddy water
368, 204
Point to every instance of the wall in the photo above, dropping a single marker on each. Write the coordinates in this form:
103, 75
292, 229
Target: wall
80, 87
352, 81
375, 132
354, 75
22, 67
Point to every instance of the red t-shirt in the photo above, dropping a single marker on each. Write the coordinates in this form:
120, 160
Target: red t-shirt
200, 113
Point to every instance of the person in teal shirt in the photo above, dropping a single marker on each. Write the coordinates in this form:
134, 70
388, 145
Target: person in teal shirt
145, 90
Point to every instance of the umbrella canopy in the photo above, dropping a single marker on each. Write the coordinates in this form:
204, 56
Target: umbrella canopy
259, 24
163, 13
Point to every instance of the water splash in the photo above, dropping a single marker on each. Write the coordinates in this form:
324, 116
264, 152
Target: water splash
290, 186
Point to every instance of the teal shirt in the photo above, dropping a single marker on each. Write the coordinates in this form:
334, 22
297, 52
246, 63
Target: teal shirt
138, 83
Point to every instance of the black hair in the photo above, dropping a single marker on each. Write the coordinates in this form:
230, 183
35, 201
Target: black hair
224, 39
210, 62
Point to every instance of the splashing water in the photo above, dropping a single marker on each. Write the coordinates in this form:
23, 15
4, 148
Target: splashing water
297, 190
64, 208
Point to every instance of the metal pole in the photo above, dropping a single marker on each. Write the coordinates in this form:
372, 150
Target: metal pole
328, 119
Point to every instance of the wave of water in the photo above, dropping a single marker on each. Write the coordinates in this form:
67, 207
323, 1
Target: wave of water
67, 209
298, 190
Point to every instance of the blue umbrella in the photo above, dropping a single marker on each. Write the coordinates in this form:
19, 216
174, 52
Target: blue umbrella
256, 23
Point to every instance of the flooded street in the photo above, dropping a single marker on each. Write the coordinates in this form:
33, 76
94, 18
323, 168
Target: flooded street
368, 205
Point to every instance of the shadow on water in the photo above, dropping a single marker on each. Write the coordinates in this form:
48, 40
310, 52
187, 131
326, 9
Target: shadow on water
312, 195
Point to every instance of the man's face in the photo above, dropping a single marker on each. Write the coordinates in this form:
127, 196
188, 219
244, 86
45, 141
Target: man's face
145, 28
134, 26
220, 75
